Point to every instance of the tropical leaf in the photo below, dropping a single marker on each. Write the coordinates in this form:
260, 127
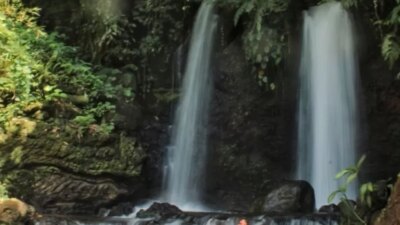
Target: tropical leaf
390, 49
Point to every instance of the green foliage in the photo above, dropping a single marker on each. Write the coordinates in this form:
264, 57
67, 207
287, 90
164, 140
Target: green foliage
107, 33
113, 36
165, 95
110, 34
84, 120
387, 26
349, 174
265, 38
258, 8
20, 62
365, 193
156, 17
370, 196
37, 67
390, 49
3, 191
348, 209
160, 22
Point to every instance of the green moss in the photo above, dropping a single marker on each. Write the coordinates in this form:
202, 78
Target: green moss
93, 155
3, 191
16, 154
19, 183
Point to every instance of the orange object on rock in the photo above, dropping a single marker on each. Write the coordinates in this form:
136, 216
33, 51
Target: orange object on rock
242, 222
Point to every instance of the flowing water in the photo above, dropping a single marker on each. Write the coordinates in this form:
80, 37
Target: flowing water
188, 147
328, 107
211, 220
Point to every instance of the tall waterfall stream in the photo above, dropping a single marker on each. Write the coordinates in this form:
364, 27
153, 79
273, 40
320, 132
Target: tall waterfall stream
189, 138
328, 107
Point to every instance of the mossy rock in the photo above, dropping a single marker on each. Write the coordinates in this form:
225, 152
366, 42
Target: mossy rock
63, 173
49, 145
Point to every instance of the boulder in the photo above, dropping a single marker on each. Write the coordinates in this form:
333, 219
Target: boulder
15, 211
391, 214
249, 144
289, 197
125, 208
60, 172
159, 210
332, 208
63, 193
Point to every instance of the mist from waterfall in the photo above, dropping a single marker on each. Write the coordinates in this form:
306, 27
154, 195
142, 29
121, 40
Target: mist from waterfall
186, 155
327, 120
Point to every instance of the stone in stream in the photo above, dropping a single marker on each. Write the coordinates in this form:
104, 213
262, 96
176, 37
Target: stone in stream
159, 210
332, 208
289, 197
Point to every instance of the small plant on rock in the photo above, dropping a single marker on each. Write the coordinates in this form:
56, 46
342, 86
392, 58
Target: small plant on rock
347, 207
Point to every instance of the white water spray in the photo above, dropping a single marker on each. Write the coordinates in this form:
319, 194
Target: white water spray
328, 106
189, 138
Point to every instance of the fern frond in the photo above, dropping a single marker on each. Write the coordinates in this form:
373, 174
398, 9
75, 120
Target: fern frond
390, 49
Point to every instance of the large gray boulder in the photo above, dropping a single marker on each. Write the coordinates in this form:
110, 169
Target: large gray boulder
290, 197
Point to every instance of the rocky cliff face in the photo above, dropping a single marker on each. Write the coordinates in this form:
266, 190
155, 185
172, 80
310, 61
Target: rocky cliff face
249, 133
58, 171
390, 215
382, 121
379, 92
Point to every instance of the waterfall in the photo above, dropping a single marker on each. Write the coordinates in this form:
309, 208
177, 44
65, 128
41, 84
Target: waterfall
187, 151
328, 107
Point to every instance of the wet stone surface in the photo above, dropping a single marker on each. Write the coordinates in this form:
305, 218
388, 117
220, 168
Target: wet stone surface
163, 213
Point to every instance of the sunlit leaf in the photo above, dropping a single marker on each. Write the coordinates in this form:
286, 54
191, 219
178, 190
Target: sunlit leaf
342, 173
351, 177
361, 161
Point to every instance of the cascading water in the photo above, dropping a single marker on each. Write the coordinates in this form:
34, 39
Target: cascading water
328, 106
189, 139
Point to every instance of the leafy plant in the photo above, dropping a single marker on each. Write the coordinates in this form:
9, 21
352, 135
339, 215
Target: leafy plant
160, 22
387, 27
365, 193
265, 38
108, 35
38, 67
85, 120
390, 49
261, 44
349, 174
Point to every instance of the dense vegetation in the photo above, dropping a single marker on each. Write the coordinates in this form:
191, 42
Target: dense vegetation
39, 71
43, 81
73, 93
